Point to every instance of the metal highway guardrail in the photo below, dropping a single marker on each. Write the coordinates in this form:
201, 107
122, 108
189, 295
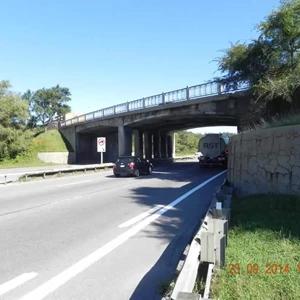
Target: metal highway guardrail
185, 94
13, 177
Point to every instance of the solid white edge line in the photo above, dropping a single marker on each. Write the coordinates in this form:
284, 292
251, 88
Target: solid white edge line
57, 281
13, 283
141, 216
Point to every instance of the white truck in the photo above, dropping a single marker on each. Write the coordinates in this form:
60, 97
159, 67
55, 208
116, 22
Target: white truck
213, 150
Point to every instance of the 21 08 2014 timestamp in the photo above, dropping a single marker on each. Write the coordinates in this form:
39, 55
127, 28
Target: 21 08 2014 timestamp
267, 269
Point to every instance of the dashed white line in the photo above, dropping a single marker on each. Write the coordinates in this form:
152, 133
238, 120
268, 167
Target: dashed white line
57, 281
141, 216
13, 283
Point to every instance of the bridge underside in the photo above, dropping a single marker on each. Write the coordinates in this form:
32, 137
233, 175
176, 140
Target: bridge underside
149, 134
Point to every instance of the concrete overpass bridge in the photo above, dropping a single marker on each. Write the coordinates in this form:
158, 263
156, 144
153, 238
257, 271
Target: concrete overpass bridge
145, 126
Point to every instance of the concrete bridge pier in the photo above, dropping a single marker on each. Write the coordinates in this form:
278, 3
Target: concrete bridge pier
148, 144
164, 143
156, 145
173, 140
137, 143
124, 141
170, 145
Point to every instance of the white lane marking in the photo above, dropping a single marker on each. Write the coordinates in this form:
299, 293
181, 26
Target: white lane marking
74, 183
141, 216
13, 283
160, 172
57, 281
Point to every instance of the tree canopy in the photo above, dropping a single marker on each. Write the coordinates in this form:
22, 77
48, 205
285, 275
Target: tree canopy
186, 142
47, 104
13, 118
271, 63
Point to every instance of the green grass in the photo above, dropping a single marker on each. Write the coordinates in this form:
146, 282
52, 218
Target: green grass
22, 161
49, 141
264, 230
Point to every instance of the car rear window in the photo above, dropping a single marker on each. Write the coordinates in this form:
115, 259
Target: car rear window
125, 160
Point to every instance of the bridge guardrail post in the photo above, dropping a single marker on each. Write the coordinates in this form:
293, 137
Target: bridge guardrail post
144, 102
163, 98
219, 88
187, 93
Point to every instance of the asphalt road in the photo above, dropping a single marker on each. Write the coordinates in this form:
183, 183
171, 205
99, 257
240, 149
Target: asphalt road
99, 237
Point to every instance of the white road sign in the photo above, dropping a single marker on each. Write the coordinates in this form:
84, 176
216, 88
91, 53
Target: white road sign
101, 144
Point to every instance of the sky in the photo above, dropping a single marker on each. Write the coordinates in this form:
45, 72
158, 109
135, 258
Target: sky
108, 52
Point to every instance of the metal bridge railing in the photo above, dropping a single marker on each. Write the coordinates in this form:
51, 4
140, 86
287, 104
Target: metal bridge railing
185, 94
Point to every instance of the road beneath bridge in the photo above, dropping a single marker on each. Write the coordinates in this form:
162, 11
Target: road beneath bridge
95, 236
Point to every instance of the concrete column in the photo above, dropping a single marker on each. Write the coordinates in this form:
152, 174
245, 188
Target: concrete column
156, 145
164, 142
169, 145
148, 144
124, 140
138, 143
173, 136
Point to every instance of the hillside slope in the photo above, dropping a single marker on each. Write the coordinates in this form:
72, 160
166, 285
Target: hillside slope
48, 141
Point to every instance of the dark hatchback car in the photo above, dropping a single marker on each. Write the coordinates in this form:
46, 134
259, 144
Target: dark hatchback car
132, 166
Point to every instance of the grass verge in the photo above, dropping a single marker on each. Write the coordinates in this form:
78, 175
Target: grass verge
263, 254
48, 141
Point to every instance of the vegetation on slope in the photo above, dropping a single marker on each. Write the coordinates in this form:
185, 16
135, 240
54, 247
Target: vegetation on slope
48, 141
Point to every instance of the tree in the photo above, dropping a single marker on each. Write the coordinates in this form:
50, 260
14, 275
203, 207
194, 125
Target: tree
47, 104
186, 142
271, 63
13, 117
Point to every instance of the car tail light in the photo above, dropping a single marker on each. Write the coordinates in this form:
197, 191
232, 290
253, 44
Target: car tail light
131, 165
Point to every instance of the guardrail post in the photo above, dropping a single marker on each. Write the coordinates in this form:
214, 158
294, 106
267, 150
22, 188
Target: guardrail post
144, 102
219, 88
127, 106
187, 93
114, 109
207, 253
163, 97
220, 250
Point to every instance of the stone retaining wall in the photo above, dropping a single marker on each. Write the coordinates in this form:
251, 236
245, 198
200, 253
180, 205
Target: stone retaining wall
266, 161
